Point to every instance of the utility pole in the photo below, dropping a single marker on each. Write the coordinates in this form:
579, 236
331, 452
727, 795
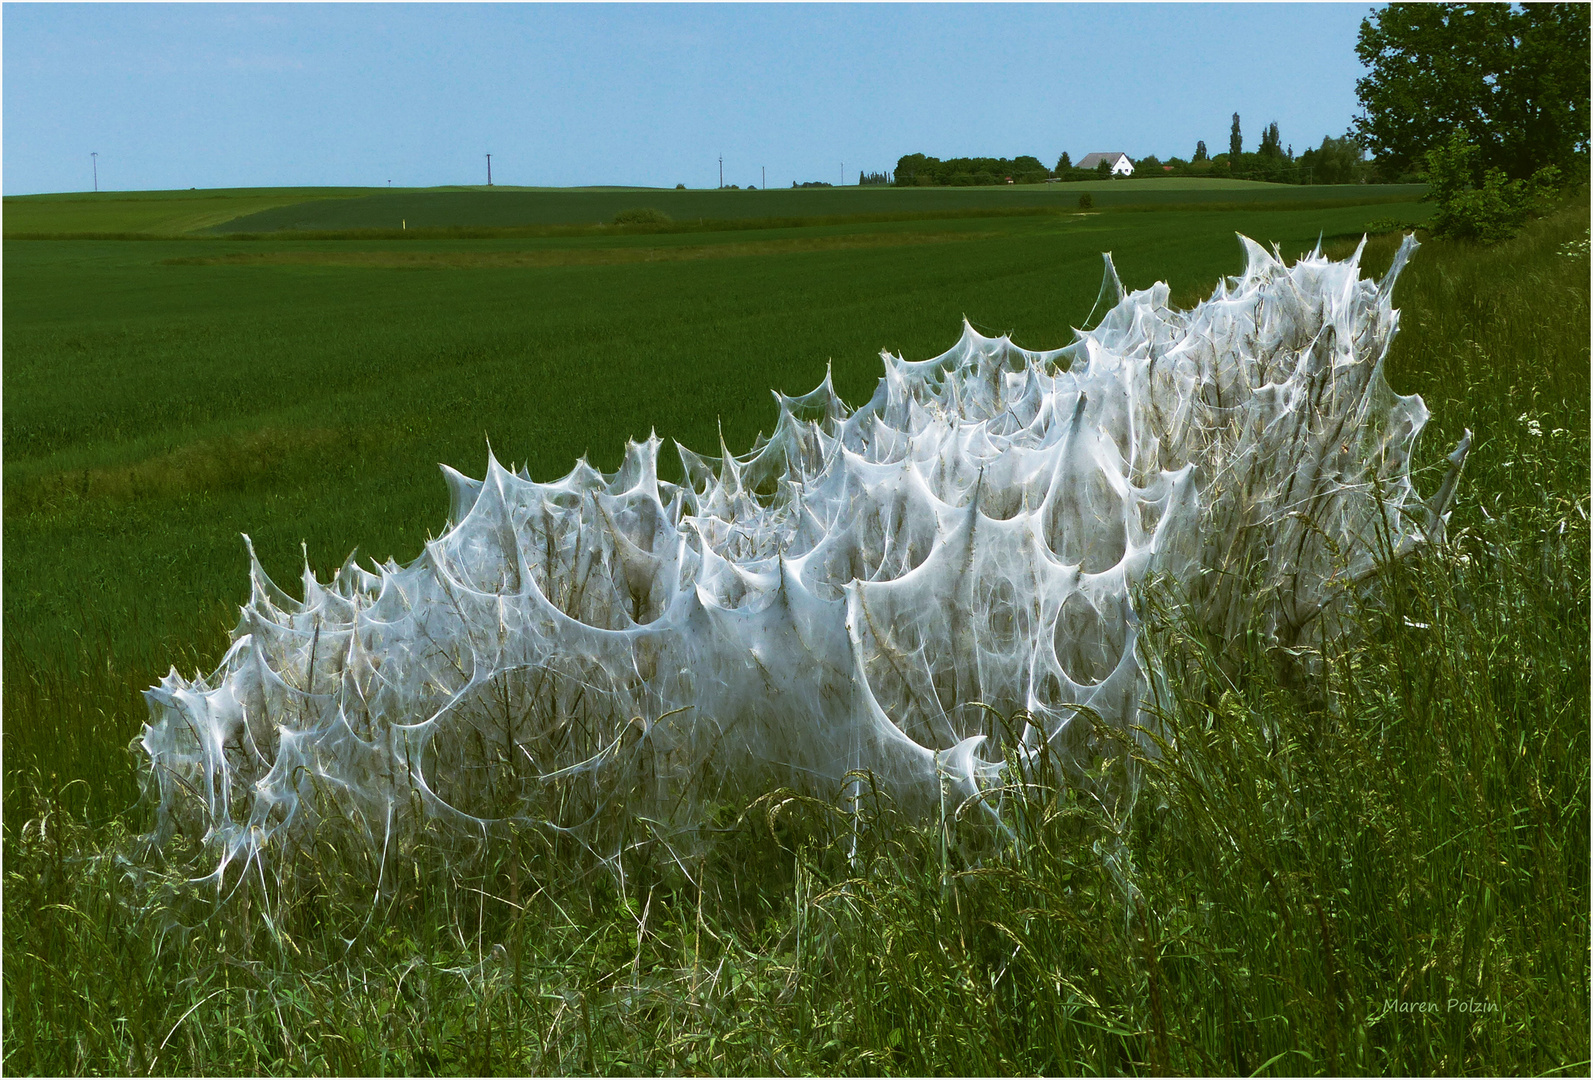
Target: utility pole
766, 178
95, 161
721, 170
489, 170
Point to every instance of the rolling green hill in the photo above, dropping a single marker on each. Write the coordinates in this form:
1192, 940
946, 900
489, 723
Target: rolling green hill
483, 208
271, 210
151, 213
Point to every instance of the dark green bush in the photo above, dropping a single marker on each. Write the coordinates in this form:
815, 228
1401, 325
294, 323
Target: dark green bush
1478, 204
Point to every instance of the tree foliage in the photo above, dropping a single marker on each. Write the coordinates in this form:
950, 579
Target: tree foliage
1336, 161
1236, 143
1515, 81
1488, 210
918, 170
1271, 141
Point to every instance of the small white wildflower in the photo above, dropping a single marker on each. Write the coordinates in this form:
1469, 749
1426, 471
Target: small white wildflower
1534, 428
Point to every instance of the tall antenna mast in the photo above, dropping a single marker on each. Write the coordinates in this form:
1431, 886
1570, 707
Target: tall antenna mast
95, 161
489, 170
766, 178
721, 170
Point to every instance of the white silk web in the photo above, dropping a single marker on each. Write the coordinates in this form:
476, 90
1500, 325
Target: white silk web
863, 592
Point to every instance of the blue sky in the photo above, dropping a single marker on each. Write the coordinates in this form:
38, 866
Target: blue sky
195, 95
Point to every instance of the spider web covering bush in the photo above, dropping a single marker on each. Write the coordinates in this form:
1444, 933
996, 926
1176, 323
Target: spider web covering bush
857, 600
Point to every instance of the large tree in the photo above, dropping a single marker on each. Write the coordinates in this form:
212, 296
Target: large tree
1514, 80
1236, 144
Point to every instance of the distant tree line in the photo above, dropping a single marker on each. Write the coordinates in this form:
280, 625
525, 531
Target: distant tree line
917, 170
864, 179
810, 183
1340, 160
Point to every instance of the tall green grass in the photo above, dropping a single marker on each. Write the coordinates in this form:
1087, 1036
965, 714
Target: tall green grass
1324, 845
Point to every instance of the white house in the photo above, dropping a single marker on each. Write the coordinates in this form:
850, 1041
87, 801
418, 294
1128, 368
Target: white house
1121, 166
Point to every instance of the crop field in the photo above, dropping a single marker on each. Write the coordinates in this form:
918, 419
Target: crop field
511, 208
1413, 829
305, 391
152, 213
339, 210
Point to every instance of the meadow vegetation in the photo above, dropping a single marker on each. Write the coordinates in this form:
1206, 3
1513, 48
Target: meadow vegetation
1325, 844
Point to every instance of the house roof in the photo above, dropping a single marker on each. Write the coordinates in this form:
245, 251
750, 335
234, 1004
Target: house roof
1091, 160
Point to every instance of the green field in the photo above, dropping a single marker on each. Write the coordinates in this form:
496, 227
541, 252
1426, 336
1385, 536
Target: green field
511, 208
341, 209
155, 213
1419, 829
209, 380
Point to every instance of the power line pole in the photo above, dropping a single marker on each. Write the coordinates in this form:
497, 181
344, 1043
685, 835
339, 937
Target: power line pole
766, 178
721, 170
489, 170
95, 161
